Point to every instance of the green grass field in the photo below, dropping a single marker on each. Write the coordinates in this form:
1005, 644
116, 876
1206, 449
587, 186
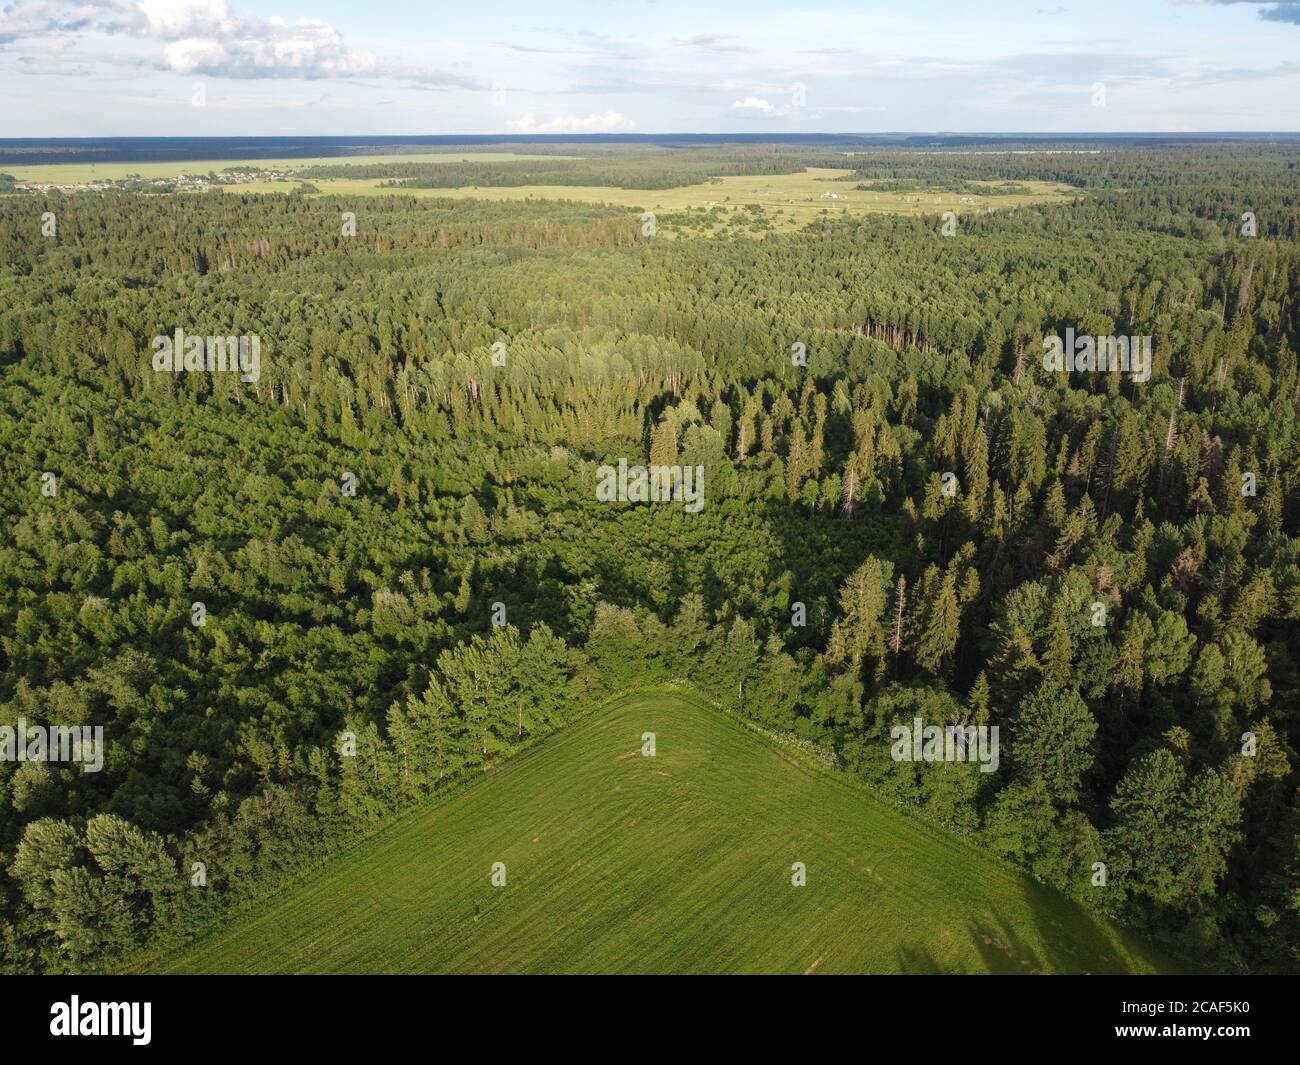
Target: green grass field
790, 201
618, 862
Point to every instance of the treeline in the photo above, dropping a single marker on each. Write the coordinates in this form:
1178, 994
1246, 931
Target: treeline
1099, 165
95, 888
948, 183
643, 168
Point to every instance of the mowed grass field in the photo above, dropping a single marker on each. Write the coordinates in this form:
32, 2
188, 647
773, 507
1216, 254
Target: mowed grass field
677, 863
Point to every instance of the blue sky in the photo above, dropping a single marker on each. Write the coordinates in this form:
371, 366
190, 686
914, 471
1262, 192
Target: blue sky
328, 67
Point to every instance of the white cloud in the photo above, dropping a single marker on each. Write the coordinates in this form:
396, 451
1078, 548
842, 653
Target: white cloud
200, 36
609, 122
766, 107
173, 19
309, 48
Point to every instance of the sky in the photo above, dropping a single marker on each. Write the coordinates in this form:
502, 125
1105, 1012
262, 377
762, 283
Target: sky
86, 68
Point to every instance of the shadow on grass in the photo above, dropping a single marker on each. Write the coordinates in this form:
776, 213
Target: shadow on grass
1058, 937
1066, 938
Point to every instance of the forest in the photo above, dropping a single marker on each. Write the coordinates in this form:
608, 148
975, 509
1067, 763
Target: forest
406, 576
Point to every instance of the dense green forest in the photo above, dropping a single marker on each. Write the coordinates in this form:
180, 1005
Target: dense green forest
1107, 569
1205, 167
648, 168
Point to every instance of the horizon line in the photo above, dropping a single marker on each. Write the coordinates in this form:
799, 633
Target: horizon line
638, 135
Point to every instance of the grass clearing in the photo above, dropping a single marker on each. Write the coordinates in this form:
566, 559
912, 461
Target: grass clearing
619, 863
789, 201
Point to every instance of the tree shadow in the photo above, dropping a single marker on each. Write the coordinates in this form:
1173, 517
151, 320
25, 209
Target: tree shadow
1063, 937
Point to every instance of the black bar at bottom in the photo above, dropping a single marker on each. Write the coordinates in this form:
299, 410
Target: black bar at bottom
213, 1014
